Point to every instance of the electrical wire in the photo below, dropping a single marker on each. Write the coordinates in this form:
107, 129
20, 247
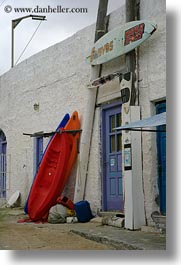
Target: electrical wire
28, 43
2, 3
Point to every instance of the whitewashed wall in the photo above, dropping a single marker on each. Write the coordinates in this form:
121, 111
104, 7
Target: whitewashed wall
152, 87
56, 79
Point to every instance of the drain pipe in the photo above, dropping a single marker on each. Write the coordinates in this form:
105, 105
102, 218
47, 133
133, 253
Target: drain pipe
88, 123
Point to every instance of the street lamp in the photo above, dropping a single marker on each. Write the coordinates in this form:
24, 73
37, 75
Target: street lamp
15, 22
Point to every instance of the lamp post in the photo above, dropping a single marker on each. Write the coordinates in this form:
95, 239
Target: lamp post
15, 22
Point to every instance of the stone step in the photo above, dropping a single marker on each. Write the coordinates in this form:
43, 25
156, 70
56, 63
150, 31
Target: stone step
111, 213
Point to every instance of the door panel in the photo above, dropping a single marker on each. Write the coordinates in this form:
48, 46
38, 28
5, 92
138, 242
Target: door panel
161, 148
112, 159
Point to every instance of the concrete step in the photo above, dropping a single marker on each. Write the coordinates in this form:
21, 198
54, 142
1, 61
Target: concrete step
111, 213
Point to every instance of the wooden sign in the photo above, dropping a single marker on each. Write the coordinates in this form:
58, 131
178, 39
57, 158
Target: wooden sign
120, 40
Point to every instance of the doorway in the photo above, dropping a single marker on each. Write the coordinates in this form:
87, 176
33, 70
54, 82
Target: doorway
112, 188
161, 150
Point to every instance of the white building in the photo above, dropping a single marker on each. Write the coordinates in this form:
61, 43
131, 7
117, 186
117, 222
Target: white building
35, 95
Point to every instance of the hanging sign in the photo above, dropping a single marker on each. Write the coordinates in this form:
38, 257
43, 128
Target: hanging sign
126, 90
120, 40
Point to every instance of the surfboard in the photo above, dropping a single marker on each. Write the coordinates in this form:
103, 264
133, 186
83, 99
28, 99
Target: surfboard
120, 40
61, 125
54, 169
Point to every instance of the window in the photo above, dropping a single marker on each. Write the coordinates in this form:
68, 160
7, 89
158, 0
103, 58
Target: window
115, 137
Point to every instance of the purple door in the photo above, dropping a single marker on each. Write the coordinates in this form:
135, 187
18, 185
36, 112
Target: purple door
112, 159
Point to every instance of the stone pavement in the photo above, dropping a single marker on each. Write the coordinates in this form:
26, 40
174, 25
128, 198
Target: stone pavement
117, 238
121, 238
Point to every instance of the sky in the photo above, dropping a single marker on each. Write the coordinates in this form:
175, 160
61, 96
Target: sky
56, 28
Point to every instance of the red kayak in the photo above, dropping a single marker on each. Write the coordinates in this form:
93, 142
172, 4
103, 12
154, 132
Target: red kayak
46, 187
54, 169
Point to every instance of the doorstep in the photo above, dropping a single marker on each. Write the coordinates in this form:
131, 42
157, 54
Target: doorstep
111, 213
